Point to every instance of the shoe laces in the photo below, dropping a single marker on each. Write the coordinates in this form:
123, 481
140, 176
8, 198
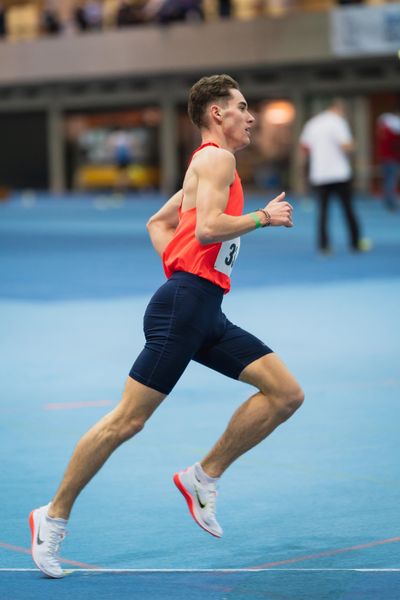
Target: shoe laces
212, 494
55, 537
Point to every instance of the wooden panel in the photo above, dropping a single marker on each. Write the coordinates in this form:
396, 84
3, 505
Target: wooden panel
23, 22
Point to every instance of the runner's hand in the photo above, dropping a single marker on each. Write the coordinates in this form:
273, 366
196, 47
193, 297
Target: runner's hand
280, 211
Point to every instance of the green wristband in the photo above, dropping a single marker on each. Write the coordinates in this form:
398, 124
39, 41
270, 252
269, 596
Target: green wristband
257, 220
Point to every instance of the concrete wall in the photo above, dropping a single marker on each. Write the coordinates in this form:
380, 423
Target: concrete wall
155, 50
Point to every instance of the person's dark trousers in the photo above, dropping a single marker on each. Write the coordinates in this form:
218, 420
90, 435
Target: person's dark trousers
343, 190
224, 8
390, 171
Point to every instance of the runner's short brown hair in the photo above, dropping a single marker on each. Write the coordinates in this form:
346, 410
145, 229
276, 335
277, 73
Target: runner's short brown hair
206, 90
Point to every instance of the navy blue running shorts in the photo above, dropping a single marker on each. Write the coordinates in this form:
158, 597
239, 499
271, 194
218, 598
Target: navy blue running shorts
183, 322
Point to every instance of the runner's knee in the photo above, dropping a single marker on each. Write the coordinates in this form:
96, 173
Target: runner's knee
122, 427
288, 401
131, 428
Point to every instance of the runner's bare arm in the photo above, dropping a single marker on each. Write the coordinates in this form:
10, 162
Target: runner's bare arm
216, 170
161, 226
348, 148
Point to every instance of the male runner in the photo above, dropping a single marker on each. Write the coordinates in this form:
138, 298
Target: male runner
197, 234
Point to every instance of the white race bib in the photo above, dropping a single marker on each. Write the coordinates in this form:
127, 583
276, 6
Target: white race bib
227, 256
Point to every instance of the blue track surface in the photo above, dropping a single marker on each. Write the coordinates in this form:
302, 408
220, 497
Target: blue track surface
322, 492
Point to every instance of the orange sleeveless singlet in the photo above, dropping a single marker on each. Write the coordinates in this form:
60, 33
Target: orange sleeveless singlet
211, 261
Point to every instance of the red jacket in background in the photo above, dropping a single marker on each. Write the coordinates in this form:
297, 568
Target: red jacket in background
388, 137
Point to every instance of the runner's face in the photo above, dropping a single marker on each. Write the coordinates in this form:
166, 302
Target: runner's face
237, 121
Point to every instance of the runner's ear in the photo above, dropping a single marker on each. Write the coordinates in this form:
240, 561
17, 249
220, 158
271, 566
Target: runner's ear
216, 112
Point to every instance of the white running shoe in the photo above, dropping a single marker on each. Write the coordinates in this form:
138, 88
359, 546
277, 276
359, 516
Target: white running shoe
201, 499
47, 535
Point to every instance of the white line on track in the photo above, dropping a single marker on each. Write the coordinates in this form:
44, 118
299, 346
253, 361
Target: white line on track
247, 570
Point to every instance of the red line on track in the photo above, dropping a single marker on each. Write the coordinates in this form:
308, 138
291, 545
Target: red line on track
326, 553
73, 405
63, 560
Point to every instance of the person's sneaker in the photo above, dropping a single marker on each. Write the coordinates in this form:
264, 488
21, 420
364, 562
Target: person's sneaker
47, 535
364, 245
201, 498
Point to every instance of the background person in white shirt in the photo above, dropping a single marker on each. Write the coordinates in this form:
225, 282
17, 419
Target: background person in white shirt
327, 141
